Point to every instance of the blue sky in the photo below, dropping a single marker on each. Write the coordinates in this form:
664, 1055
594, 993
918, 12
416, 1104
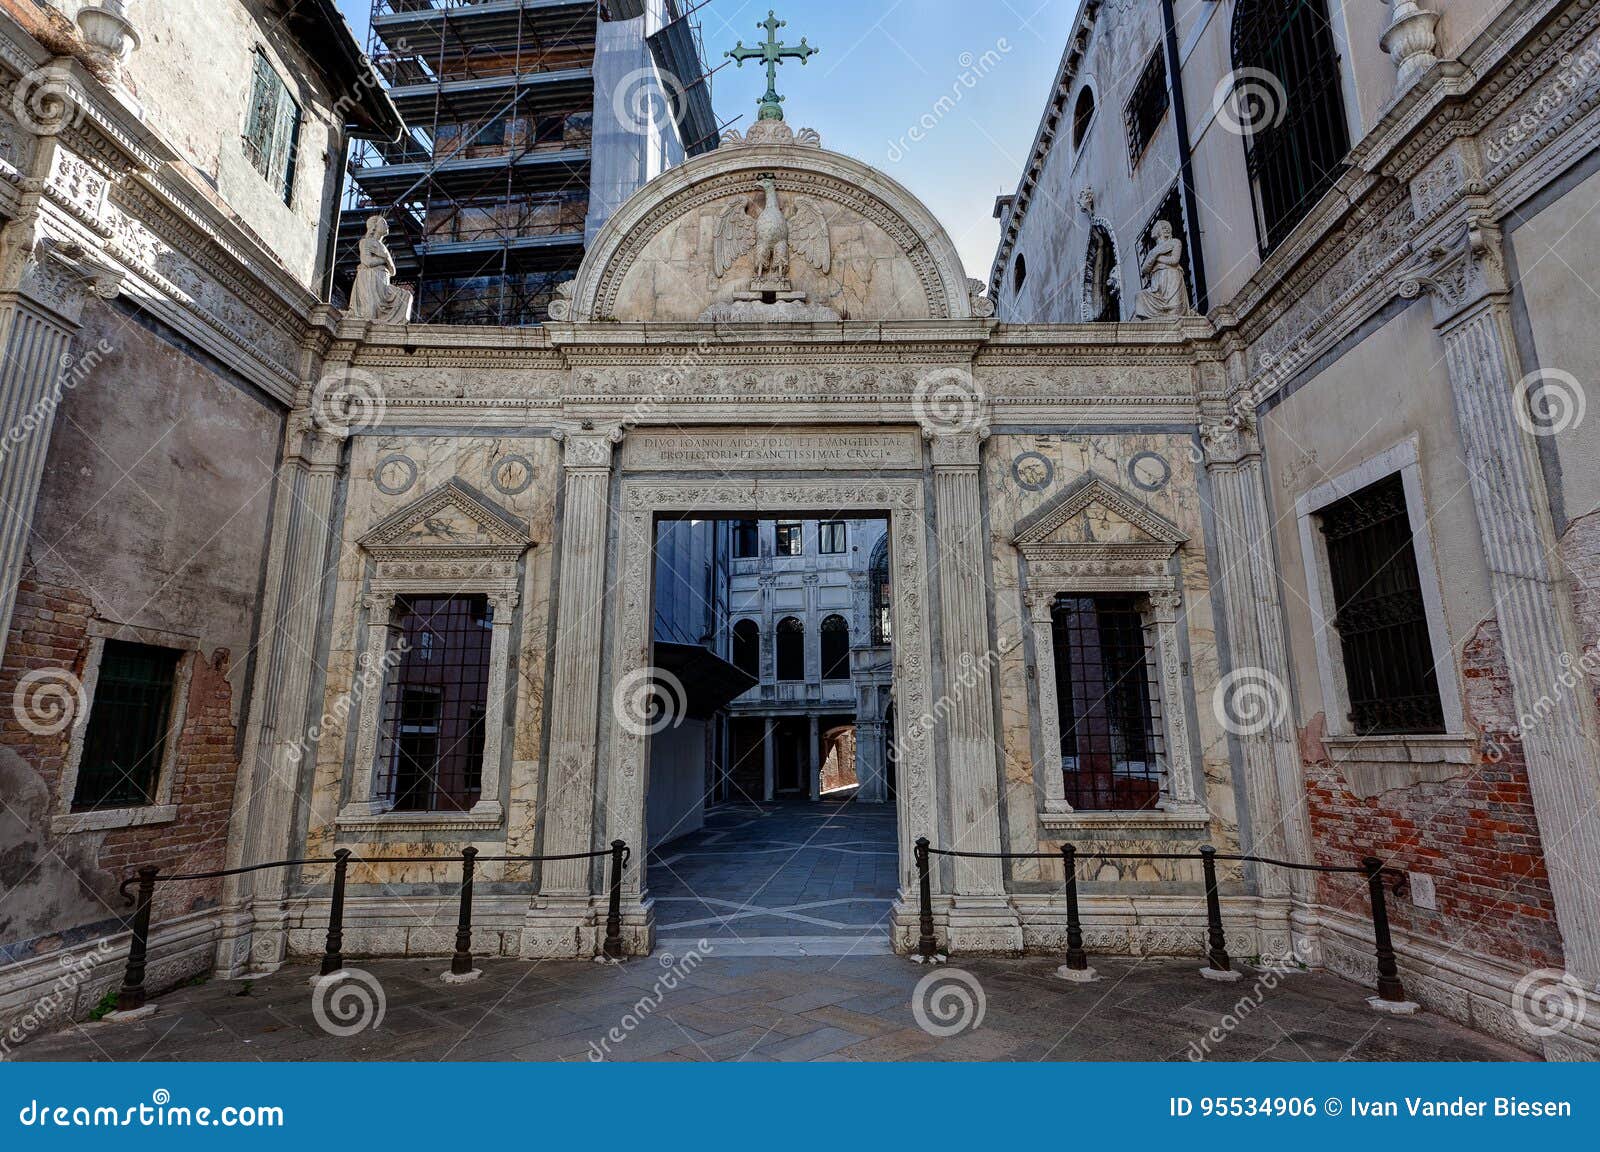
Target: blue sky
884, 67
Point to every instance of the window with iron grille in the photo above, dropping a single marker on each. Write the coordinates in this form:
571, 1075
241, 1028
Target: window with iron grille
435, 702
882, 595
1146, 107
1379, 613
272, 129
791, 538
1288, 97
746, 539
791, 651
835, 648
833, 537
1110, 733
126, 737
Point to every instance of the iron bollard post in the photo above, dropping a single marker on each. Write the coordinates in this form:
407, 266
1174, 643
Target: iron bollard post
927, 943
131, 995
461, 962
333, 951
1217, 943
1077, 958
619, 860
1389, 986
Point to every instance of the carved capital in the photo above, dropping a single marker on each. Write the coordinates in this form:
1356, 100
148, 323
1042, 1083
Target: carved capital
956, 448
60, 276
1228, 438
1460, 272
379, 605
1165, 605
1041, 605
589, 449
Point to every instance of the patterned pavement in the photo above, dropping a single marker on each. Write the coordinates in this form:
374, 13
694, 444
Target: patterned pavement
792, 879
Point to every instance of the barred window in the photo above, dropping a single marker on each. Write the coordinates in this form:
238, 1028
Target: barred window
435, 703
126, 737
1110, 734
835, 648
272, 129
1287, 95
1379, 613
1146, 107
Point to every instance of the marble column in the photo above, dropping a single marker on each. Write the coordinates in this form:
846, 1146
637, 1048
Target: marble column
1258, 654
816, 758
1047, 760
769, 765
981, 918
1465, 275
869, 763
575, 705
46, 284
274, 770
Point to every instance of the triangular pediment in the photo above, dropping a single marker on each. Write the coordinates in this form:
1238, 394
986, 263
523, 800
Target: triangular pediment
453, 516
1094, 513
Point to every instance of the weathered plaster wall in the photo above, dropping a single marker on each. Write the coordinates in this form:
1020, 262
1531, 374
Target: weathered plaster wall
153, 513
1468, 826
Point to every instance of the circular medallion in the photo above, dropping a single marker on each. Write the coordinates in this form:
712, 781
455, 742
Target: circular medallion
394, 474
512, 475
1149, 472
1033, 471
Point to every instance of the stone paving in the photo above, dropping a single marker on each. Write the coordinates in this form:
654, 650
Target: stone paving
790, 879
773, 1008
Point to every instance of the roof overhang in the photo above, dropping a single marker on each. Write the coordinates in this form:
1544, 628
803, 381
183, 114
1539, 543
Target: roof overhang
325, 35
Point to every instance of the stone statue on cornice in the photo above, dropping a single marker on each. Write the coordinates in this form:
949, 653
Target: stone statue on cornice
374, 296
1166, 294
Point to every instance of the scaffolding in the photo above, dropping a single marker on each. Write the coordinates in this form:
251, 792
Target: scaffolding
487, 192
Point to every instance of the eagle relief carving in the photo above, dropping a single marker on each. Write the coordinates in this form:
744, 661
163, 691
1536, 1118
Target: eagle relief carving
777, 236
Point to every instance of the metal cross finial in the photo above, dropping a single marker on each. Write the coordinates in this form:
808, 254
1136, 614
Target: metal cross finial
772, 53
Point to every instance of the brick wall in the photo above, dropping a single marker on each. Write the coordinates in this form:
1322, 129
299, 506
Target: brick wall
1474, 834
49, 629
